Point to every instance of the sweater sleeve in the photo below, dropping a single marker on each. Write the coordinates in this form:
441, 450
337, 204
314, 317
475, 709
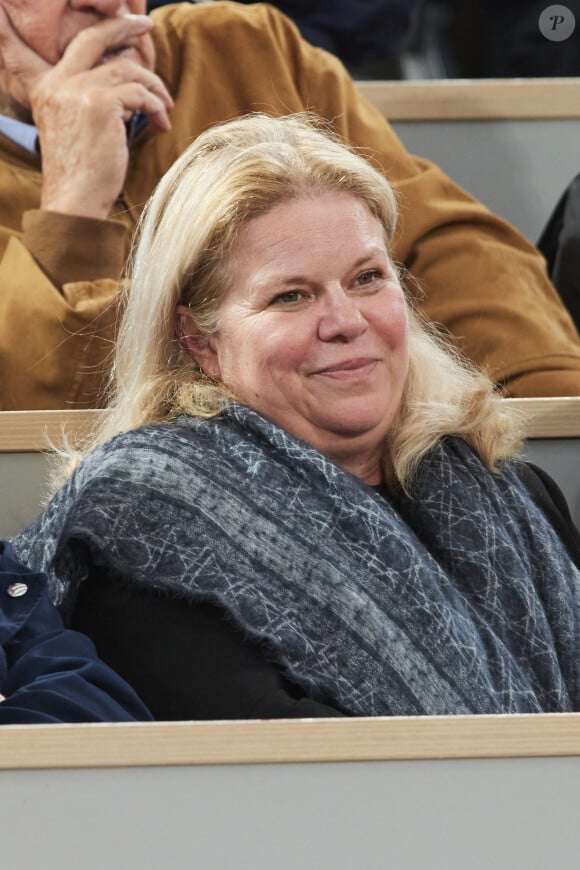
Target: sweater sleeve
59, 277
59, 280
186, 661
65, 336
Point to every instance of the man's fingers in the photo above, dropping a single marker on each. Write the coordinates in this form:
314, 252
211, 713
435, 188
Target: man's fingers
124, 72
97, 43
137, 98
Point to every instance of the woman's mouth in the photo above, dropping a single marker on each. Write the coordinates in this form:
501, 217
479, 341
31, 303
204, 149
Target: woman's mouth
350, 369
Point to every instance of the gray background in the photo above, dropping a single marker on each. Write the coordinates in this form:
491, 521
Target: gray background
505, 814
517, 168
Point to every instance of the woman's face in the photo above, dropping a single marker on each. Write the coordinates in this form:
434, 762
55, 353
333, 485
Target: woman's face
313, 332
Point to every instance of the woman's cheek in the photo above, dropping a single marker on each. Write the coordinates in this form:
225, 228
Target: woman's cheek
288, 344
398, 325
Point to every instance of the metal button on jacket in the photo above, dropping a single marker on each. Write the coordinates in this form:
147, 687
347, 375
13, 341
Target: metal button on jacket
17, 590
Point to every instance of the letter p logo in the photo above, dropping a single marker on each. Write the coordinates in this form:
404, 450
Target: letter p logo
557, 23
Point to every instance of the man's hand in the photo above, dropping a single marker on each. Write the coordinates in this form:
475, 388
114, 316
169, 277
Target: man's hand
81, 104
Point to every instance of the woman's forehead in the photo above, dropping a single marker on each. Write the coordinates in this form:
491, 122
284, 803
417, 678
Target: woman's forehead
298, 223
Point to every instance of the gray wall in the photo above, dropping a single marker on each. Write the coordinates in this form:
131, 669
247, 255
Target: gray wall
560, 457
23, 484
517, 168
473, 814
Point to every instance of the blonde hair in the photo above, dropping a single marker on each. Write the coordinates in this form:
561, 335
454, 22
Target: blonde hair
229, 175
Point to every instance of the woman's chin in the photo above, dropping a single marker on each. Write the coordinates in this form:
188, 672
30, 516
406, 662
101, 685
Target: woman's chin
357, 417
357, 426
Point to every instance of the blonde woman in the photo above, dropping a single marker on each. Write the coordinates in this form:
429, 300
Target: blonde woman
300, 502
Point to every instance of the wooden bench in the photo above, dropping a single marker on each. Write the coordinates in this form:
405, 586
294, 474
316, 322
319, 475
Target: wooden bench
452, 793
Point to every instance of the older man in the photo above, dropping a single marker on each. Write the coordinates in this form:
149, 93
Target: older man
98, 101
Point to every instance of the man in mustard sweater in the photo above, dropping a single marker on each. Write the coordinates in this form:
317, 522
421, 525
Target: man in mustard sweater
98, 100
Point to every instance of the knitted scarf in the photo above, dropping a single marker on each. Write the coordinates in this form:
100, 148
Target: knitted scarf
461, 599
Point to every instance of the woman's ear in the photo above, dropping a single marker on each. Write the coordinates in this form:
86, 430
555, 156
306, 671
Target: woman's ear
198, 345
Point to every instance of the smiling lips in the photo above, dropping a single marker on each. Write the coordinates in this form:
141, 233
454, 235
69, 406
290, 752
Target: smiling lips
351, 369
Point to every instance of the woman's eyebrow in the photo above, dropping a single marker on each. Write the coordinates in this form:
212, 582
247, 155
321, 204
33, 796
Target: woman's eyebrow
278, 278
370, 254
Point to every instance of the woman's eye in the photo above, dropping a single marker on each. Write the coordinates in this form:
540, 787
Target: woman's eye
369, 276
288, 297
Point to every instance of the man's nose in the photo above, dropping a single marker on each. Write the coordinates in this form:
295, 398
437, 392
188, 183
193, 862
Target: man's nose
341, 316
106, 8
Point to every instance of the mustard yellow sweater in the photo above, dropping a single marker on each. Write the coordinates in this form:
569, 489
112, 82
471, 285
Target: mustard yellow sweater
59, 273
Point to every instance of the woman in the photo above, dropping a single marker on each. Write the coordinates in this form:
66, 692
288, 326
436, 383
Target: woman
300, 503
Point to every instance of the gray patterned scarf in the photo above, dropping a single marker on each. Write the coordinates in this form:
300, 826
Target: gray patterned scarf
460, 600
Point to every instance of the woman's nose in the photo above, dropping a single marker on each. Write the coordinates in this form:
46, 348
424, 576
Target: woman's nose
340, 316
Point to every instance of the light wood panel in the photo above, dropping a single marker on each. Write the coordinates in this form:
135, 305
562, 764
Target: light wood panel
281, 741
476, 99
26, 431
550, 418
31, 431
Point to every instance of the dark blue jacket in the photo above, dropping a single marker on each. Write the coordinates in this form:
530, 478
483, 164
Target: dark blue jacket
47, 673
